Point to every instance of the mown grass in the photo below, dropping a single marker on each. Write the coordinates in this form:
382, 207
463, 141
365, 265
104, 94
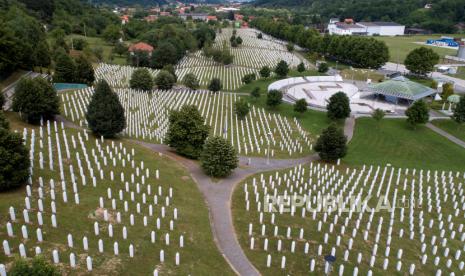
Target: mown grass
95, 42
452, 127
392, 141
199, 256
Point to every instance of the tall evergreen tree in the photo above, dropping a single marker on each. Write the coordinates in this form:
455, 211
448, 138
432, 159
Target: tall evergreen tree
459, 111
141, 79
105, 114
65, 68
218, 158
331, 145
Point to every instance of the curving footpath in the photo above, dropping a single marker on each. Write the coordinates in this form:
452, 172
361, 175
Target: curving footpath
218, 195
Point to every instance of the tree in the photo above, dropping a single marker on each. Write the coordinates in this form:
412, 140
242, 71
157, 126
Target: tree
105, 114
239, 40
248, 78
215, 85
281, 69
274, 98
447, 90
3, 121
190, 80
2, 100
323, 67
301, 67
141, 79
259, 35
187, 131
218, 158
84, 71
35, 99
171, 70
265, 72
290, 47
378, 114
79, 44
241, 107
164, 80
300, 106
120, 49
331, 145
338, 106
459, 111
255, 93
165, 53
112, 33
14, 160
38, 267
421, 60
65, 68
417, 113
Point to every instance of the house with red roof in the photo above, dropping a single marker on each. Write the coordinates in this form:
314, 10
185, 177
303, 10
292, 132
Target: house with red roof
140, 47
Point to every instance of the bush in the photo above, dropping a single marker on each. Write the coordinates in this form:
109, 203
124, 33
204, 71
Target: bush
164, 80
241, 108
141, 79
447, 90
301, 67
323, 67
417, 113
2, 100
3, 121
259, 35
219, 158
331, 145
79, 44
14, 160
290, 47
300, 106
248, 78
255, 93
281, 69
274, 98
265, 72
459, 111
215, 85
378, 114
338, 106
35, 99
191, 81
187, 131
38, 267
105, 114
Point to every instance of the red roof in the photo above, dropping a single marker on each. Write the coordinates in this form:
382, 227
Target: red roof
141, 46
211, 17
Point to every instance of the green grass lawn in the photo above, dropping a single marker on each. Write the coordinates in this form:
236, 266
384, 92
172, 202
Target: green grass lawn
94, 42
199, 256
400, 46
393, 142
457, 130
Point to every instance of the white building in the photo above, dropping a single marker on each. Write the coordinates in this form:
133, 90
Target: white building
366, 28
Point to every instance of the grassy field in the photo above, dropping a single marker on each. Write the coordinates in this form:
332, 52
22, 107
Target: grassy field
457, 130
94, 42
392, 141
338, 181
400, 46
199, 256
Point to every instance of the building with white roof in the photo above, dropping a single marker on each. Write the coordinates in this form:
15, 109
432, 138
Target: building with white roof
366, 28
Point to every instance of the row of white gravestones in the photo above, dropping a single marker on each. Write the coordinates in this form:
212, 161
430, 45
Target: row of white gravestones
255, 135
165, 196
332, 181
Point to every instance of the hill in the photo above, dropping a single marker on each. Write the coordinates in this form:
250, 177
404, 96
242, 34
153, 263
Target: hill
441, 17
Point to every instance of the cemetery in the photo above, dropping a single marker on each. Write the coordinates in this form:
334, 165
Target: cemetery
147, 119
371, 220
95, 206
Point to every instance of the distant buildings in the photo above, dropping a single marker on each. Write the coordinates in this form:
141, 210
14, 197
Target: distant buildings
349, 27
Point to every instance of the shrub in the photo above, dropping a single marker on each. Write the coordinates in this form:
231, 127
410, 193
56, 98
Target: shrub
79, 44
300, 106
105, 114
259, 35
215, 85
141, 79
282, 69
255, 93
274, 98
331, 145
378, 114
447, 90
190, 80
301, 67
459, 111
38, 267
164, 80
265, 72
218, 158
248, 78
2, 100
290, 47
241, 108
187, 131
338, 106
35, 99
323, 67
417, 113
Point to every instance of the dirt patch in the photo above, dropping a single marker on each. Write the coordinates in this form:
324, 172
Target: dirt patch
185, 177
111, 265
98, 215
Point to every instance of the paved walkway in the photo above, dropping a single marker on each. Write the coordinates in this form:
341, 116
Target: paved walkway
446, 135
